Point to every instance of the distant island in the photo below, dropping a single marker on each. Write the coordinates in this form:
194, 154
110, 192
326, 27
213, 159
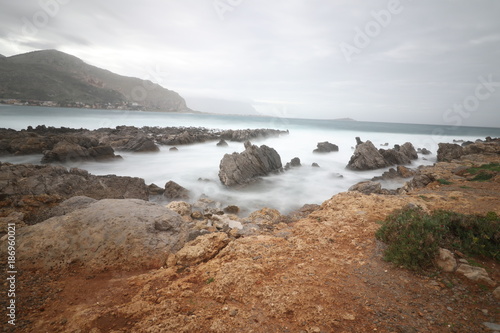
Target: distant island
56, 79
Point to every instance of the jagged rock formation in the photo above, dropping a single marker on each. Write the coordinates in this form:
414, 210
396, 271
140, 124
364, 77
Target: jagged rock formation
367, 157
242, 168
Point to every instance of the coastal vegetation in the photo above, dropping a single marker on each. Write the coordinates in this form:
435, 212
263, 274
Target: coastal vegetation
414, 236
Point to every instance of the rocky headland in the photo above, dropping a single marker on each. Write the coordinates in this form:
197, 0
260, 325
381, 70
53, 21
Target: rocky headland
101, 258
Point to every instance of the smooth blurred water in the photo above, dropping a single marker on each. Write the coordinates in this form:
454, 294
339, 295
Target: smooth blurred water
285, 192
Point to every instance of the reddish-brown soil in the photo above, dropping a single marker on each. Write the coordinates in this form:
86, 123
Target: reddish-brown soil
323, 273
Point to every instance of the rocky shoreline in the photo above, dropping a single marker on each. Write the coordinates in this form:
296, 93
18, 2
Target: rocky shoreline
71, 225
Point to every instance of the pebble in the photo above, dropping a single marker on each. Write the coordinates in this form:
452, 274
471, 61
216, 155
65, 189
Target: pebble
492, 326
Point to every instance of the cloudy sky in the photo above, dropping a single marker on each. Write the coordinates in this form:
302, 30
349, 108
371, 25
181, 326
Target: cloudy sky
425, 61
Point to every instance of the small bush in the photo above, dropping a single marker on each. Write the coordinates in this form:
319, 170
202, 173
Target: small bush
414, 237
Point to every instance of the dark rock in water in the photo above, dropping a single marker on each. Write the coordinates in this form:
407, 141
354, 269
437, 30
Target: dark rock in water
173, 149
449, 151
242, 168
295, 162
315, 165
140, 144
467, 143
399, 154
325, 147
232, 209
366, 157
400, 172
423, 151
222, 143
154, 189
367, 187
249, 134
64, 152
358, 141
174, 191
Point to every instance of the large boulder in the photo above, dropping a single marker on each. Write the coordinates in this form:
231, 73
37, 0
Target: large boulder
366, 157
449, 151
113, 234
242, 168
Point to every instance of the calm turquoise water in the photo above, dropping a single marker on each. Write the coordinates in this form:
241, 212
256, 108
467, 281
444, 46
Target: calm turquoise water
285, 192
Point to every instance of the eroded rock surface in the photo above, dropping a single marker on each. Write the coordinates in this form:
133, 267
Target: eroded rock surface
242, 168
118, 234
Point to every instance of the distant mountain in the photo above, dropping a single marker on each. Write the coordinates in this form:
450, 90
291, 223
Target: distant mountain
222, 106
2, 56
52, 75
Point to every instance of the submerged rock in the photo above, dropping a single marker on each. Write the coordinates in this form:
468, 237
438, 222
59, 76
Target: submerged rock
325, 147
222, 143
242, 168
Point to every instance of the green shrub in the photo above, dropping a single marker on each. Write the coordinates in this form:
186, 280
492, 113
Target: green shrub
414, 237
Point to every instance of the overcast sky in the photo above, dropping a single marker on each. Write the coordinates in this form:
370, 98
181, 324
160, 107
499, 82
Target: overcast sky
422, 61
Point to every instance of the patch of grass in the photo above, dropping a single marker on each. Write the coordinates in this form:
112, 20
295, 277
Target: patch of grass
444, 181
484, 172
465, 187
495, 167
209, 280
482, 177
414, 237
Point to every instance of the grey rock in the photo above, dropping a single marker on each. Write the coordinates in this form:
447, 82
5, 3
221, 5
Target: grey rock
242, 168
449, 151
109, 234
366, 157
222, 143
325, 147
174, 191
367, 187
140, 144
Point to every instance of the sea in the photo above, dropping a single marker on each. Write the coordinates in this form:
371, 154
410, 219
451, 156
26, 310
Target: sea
196, 166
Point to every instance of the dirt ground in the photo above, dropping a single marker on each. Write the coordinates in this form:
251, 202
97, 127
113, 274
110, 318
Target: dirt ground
323, 273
